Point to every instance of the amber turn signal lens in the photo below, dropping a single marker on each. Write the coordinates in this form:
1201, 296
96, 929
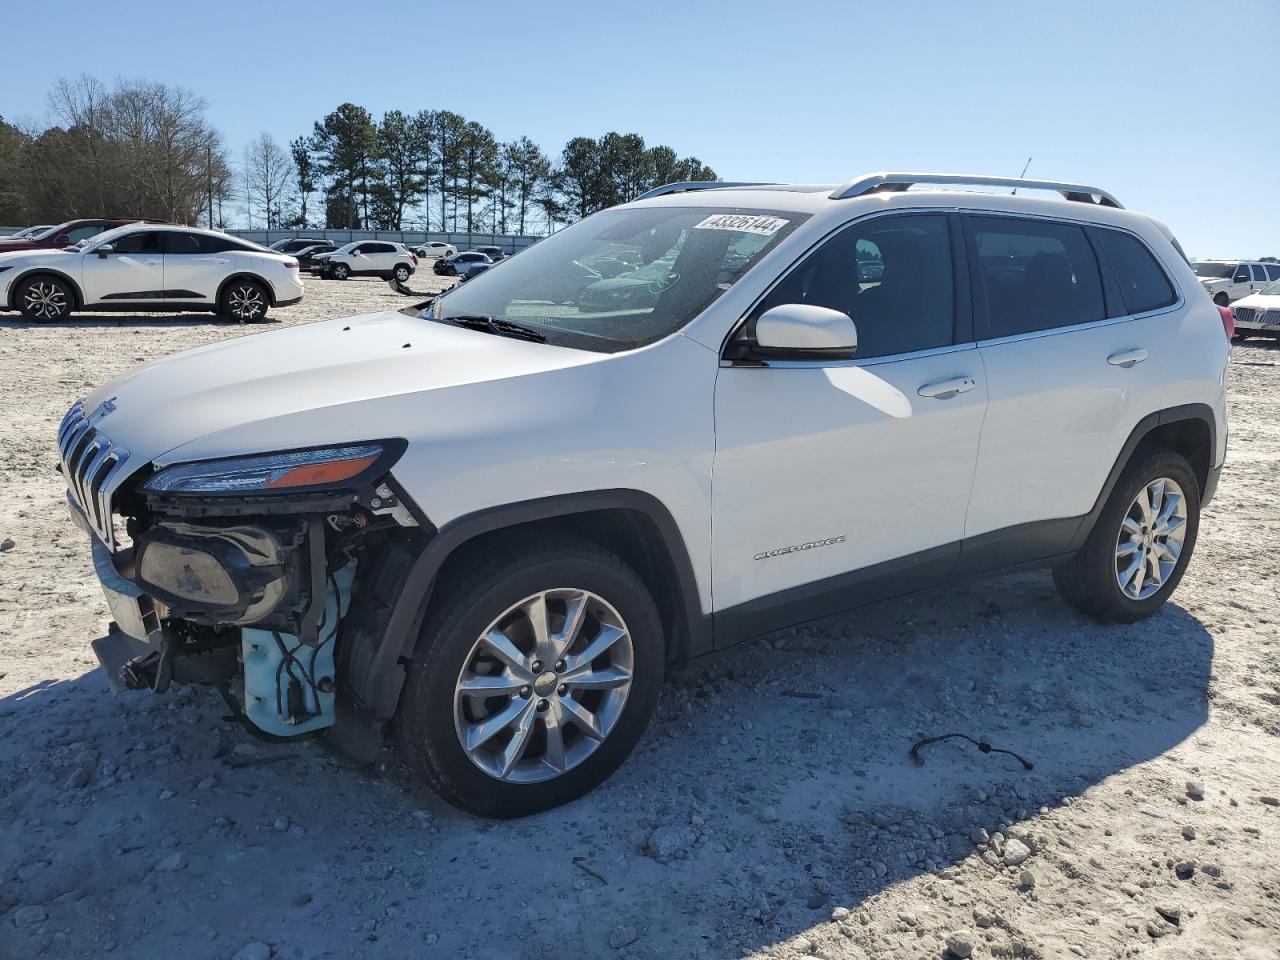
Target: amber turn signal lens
312, 474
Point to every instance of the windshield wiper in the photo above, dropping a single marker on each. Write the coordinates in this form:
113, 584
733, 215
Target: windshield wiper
503, 328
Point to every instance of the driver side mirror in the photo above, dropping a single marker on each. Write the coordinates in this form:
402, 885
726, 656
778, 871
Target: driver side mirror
801, 331
105, 249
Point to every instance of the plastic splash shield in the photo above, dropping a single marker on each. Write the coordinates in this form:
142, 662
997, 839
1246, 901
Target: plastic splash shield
289, 687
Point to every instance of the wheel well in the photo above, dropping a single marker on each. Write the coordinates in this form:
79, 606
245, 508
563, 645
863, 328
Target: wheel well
222, 288
1191, 439
44, 272
629, 533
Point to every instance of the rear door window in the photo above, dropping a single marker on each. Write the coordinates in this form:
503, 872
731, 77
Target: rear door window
180, 243
1033, 275
1258, 272
1273, 271
1143, 284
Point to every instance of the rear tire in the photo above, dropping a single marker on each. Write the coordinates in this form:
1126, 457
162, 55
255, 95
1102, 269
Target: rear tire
45, 299
1095, 581
556, 740
245, 301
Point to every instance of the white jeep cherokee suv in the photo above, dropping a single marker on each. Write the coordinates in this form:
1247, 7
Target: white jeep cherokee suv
490, 521
150, 267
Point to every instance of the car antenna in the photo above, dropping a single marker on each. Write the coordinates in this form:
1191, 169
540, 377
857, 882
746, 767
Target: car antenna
1021, 176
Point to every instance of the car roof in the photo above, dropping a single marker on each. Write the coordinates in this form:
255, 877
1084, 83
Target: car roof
136, 226
826, 202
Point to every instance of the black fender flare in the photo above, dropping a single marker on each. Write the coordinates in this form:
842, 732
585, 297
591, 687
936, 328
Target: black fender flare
244, 275
1188, 411
37, 271
386, 672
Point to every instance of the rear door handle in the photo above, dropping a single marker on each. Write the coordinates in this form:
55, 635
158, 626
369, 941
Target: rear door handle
1127, 358
942, 389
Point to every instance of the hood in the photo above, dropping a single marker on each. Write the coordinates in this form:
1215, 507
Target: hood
340, 375
12, 246
44, 257
1214, 282
1258, 302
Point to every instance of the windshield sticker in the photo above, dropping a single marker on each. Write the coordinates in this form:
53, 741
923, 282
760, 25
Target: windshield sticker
764, 226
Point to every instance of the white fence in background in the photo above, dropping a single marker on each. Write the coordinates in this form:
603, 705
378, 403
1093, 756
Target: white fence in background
410, 238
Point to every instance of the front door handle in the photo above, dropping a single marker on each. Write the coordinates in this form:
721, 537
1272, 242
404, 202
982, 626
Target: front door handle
1127, 358
942, 389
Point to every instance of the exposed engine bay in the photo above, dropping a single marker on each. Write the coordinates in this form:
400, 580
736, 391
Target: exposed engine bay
262, 599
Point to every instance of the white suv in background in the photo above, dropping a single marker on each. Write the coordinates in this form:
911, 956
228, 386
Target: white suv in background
1226, 281
496, 517
150, 267
437, 249
366, 258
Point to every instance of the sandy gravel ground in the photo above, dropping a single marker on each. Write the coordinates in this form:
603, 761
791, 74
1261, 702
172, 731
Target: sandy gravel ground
771, 810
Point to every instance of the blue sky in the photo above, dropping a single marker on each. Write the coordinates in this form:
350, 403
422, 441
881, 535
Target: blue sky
1173, 106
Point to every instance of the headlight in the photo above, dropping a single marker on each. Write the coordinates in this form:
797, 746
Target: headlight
295, 470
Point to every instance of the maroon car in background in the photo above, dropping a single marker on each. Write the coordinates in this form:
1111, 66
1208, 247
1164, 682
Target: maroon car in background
67, 234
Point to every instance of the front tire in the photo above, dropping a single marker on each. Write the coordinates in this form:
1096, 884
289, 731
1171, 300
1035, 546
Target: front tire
245, 301
45, 299
534, 676
1140, 545
402, 273
1222, 300
341, 271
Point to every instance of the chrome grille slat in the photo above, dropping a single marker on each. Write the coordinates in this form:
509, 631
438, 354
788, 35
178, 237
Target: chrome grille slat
1245, 314
89, 465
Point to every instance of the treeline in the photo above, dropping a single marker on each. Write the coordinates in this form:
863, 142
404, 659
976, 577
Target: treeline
144, 149
139, 149
437, 170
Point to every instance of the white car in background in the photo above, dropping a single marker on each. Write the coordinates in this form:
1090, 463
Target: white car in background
150, 267
1258, 313
1226, 281
436, 249
366, 258
28, 232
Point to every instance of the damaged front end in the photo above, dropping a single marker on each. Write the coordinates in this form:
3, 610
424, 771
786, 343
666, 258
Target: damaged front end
251, 574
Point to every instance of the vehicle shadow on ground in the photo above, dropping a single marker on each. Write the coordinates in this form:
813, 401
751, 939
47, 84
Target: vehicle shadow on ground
108, 321
773, 786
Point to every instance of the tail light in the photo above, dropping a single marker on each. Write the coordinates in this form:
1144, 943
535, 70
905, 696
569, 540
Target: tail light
413, 259
1228, 322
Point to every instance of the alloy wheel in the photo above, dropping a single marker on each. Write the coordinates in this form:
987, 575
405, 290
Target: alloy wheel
1151, 538
45, 299
543, 686
246, 302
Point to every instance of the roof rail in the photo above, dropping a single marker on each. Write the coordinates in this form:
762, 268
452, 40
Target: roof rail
897, 182
687, 185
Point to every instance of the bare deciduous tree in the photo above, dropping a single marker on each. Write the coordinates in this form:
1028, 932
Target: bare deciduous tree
268, 175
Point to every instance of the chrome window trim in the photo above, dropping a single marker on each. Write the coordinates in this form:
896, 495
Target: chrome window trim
1092, 324
1079, 221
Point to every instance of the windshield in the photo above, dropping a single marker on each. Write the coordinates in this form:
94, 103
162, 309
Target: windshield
1215, 270
622, 278
1271, 289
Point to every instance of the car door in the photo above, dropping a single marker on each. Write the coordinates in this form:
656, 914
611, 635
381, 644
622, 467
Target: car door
1070, 371
194, 266
131, 270
842, 481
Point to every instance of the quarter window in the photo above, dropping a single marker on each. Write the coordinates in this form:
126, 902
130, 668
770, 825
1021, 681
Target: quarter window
1143, 284
1036, 275
893, 275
